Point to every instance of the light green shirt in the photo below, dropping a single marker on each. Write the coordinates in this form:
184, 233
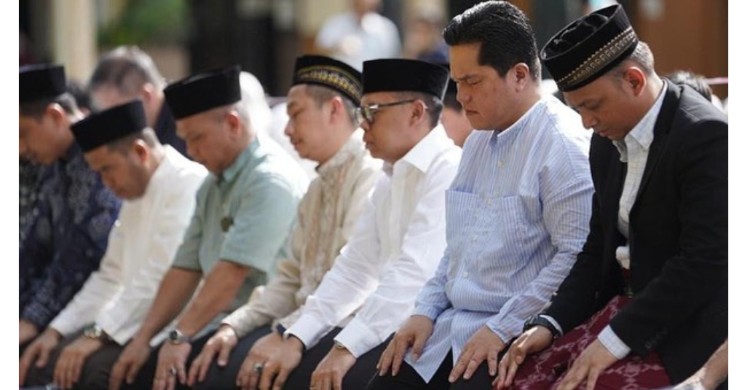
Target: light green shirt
244, 215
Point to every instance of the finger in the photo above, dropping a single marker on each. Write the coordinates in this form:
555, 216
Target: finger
224, 353
132, 370
461, 364
473, 364
337, 379
492, 363
181, 374
420, 339
253, 377
399, 351
115, 377
325, 384
266, 378
592, 377
574, 376
242, 378
385, 359
278, 384
23, 367
75, 370
42, 356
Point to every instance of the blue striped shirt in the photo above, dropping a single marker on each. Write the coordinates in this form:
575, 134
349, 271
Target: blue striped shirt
517, 215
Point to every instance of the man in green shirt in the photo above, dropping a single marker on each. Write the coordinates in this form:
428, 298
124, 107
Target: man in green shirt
244, 212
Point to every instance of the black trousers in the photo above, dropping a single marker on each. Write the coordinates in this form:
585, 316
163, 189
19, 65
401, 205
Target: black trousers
408, 379
357, 378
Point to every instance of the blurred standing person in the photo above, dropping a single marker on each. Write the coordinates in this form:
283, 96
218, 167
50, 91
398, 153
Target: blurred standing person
128, 73
24, 49
244, 212
646, 302
422, 37
66, 238
158, 187
359, 35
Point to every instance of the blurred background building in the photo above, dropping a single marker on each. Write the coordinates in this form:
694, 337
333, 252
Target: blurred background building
264, 36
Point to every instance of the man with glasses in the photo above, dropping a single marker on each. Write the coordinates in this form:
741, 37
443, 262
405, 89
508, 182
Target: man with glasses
394, 248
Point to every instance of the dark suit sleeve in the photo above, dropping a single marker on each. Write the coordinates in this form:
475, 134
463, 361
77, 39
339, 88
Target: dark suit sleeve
698, 272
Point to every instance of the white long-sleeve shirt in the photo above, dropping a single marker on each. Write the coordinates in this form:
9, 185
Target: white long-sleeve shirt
141, 247
394, 250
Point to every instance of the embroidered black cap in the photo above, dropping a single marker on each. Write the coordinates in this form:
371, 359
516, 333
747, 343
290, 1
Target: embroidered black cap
203, 91
589, 47
40, 81
109, 125
397, 75
334, 74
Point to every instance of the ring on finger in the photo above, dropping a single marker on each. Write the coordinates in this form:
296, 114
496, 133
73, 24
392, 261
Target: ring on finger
258, 367
172, 371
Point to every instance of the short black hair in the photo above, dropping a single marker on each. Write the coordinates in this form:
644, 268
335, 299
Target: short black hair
37, 108
126, 68
503, 32
433, 103
320, 94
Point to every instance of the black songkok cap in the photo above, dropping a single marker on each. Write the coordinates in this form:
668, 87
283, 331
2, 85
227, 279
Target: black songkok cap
39, 81
109, 125
329, 73
589, 47
203, 91
400, 75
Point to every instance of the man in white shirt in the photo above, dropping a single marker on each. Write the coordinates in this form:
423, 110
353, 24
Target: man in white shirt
158, 185
394, 248
359, 35
322, 127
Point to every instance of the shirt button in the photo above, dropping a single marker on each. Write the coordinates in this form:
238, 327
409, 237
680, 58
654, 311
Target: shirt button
474, 239
466, 274
499, 164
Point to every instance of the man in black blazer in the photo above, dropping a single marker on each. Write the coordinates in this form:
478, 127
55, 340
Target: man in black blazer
646, 302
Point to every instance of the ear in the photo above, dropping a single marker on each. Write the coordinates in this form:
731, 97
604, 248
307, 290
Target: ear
58, 115
520, 75
418, 112
338, 108
635, 80
233, 120
141, 150
147, 92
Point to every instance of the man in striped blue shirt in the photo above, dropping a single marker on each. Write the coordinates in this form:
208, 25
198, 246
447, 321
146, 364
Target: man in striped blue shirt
516, 214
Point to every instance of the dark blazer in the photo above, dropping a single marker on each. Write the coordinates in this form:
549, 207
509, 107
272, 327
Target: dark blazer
678, 240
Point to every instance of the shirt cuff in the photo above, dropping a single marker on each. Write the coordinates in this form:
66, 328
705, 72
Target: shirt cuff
614, 345
307, 329
358, 338
65, 328
427, 311
553, 322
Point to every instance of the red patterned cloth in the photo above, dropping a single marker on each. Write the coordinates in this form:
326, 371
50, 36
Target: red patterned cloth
544, 371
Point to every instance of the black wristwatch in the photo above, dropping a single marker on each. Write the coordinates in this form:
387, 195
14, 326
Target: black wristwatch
95, 332
177, 337
539, 320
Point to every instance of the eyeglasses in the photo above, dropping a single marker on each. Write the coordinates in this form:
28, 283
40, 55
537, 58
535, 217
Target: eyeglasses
367, 113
